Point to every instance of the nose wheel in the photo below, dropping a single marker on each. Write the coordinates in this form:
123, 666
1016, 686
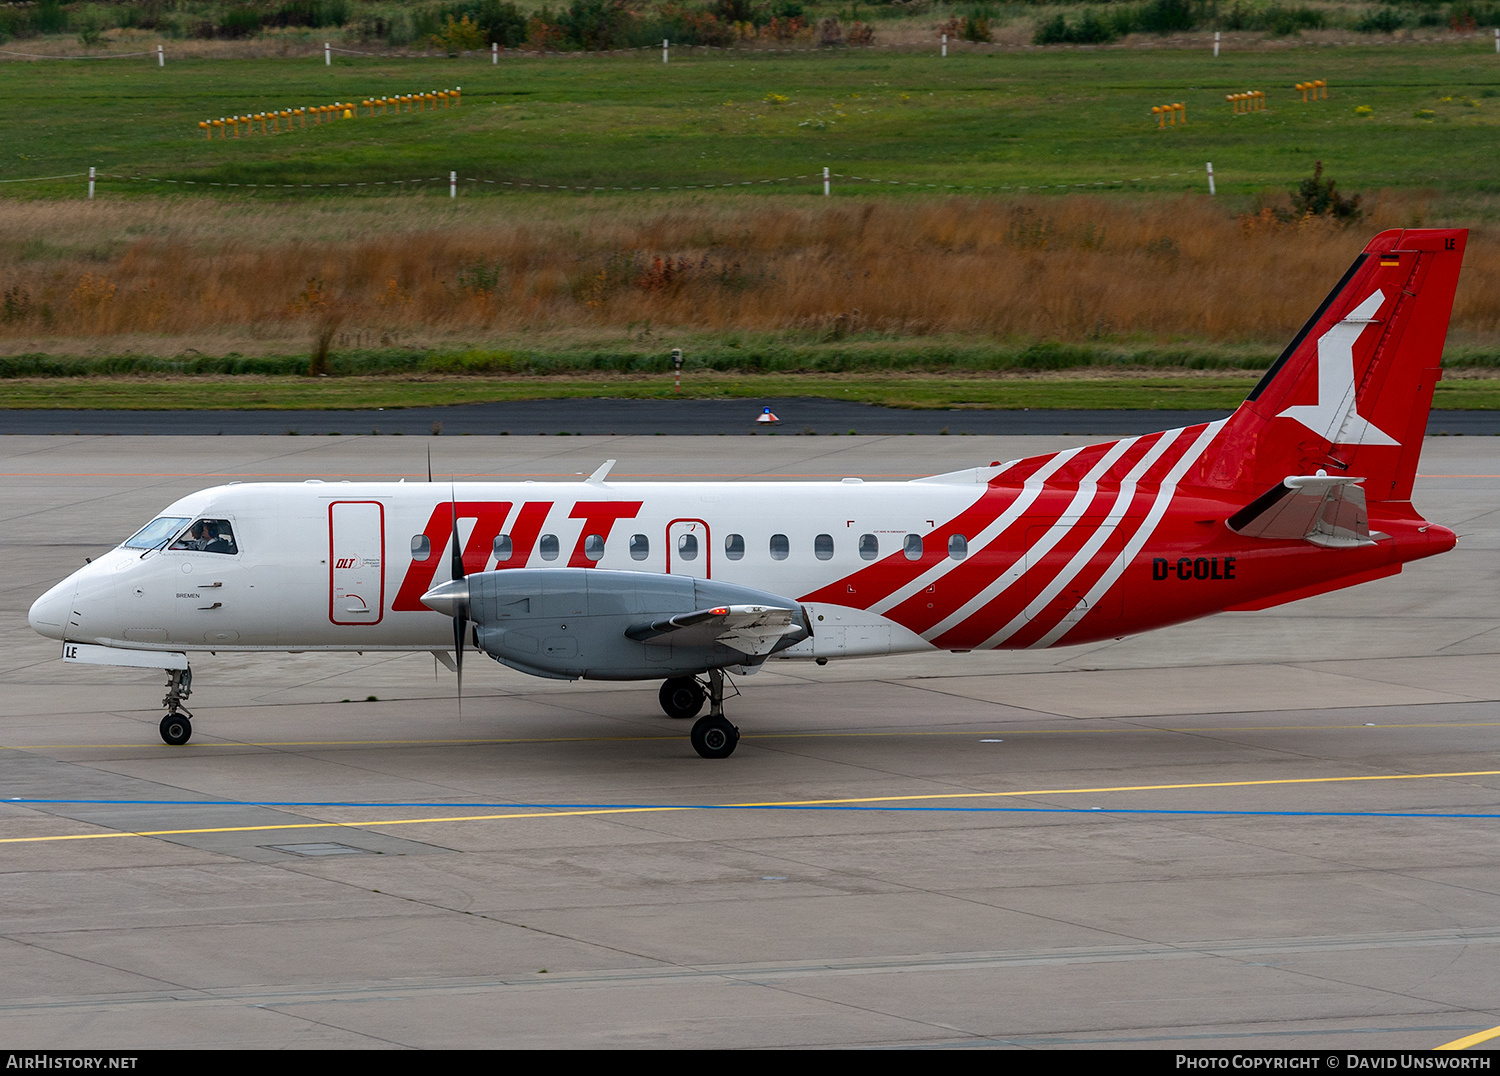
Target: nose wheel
177, 726
713, 736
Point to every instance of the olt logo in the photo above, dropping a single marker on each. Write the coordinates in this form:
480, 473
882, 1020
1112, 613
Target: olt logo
347, 562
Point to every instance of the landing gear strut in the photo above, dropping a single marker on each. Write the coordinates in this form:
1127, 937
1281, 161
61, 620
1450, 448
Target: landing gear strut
713, 736
177, 726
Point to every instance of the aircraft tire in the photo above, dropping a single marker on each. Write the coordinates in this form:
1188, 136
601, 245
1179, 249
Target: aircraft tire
714, 737
681, 697
176, 729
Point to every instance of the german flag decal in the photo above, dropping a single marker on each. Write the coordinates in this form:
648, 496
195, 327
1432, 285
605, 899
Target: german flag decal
1390, 260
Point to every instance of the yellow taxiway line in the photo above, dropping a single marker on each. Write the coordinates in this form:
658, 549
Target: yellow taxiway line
648, 809
756, 736
1470, 1040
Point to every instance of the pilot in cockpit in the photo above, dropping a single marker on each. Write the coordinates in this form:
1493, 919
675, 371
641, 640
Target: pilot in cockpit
208, 536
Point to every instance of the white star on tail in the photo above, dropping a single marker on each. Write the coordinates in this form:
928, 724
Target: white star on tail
1335, 416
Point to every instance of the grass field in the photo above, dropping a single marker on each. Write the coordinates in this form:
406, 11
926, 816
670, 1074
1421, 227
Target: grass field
1122, 392
952, 269
1042, 117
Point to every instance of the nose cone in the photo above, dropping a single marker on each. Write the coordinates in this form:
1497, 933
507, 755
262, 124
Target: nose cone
450, 599
49, 613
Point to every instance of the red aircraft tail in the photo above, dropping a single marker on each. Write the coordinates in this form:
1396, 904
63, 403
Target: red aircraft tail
1351, 393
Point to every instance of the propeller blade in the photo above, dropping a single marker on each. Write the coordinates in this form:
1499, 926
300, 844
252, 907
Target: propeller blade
458, 552
461, 609
460, 626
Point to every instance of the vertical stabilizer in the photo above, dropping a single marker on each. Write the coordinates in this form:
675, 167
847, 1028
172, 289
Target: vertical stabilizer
1351, 393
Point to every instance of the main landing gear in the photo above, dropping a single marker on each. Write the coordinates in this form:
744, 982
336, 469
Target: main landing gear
682, 697
177, 726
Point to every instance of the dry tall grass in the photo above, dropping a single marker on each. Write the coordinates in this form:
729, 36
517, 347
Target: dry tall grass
1071, 269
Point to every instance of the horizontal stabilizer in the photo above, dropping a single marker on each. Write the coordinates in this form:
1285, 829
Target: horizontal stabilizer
751, 629
1323, 509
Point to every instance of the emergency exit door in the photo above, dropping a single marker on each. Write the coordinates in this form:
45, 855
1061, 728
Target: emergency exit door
688, 551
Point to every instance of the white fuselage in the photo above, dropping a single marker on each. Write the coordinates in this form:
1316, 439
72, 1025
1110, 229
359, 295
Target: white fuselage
332, 565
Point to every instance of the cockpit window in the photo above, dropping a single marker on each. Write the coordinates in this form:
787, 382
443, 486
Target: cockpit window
156, 533
208, 536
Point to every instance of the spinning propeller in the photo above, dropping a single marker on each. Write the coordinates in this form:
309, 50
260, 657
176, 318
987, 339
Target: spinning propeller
452, 599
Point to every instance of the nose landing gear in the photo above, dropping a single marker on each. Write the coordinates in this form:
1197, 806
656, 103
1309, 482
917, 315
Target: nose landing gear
177, 726
713, 736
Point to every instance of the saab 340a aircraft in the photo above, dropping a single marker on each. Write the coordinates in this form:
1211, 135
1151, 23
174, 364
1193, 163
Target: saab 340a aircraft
1305, 489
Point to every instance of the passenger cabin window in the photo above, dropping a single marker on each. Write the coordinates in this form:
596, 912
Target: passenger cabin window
958, 546
156, 534
869, 547
208, 536
912, 547
780, 547
593, 547
687, 546
421, 548
823, 547
640, 547
502, 547
734, 546
548, 546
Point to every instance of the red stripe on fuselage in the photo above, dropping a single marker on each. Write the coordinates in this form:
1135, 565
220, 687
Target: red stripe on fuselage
889, 574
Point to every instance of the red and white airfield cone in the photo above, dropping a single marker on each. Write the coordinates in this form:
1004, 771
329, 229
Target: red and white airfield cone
765, 418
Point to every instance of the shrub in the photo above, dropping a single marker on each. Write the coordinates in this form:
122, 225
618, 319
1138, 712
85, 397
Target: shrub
1316, 197
459, 36
595, 25
502, 22
310, 13
1276, 20
90, 30
976, 28
240, 21
1285, 21
1166, 17
1090, 29
48, 17
1468, 15
1387, 21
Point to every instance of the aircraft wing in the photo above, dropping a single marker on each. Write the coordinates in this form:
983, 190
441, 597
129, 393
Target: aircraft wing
751, 629
1326, 510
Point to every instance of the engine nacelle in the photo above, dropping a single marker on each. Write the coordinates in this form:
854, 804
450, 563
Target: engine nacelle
571, 623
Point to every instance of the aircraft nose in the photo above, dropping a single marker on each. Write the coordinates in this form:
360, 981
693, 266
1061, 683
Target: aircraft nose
49, 613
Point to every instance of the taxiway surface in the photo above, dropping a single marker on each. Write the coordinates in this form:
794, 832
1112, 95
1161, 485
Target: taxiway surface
1269, 829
